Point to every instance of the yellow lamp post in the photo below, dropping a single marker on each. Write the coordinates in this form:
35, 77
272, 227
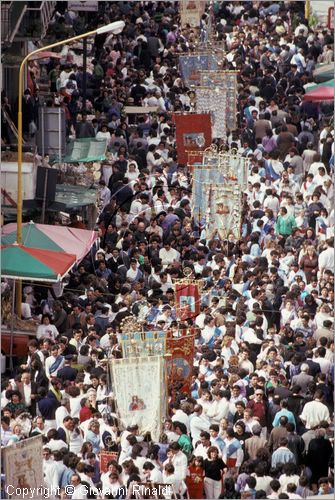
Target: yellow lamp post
114, 28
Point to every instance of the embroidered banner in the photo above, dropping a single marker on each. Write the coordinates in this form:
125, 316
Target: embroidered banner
224, 210
142, 344
226, 81
235, 168
194, 158
179, 366
105, 457
23, 466
213, 100
187, 299
139, 389
193, 133
203, 174
190, 66
190, 13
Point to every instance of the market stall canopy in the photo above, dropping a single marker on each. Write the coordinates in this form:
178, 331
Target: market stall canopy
55, 238
85, 150
322, 92
323, 72
20, 262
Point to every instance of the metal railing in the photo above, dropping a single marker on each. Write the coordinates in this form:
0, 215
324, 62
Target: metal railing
12, 14
5, 24
35, 22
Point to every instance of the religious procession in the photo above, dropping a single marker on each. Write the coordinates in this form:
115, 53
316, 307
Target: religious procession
167, 239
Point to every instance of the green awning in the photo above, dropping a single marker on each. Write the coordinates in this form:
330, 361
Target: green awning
75, 196
84, 150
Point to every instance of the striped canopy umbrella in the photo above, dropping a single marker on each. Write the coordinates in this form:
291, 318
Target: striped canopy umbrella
57, 238
322, 92
20, 262
323, 72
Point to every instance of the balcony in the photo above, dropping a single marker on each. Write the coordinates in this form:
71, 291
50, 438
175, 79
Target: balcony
35, 22
12, 14
20, 22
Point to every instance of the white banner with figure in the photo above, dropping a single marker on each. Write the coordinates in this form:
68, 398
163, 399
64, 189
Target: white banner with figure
190, 13
139, 389
23, 466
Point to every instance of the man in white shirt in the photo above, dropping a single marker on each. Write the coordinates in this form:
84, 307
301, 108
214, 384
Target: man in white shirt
53, 469
47, 462
140, 206
202, 447
62, 412
104, 194
28, 390
271, 202
54, 362
326, 258
324, 363
220, 407
168, 255
180, 416
79, 491
198, 423
315, 411
179, 461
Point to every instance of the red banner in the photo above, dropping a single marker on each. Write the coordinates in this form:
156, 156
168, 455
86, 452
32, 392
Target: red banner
179, 366
193, 133
105, 457
187, 301
194, 158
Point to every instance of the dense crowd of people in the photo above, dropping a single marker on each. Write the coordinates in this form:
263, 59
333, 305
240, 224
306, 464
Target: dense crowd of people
258, 422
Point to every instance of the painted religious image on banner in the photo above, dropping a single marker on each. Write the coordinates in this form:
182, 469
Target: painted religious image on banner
178, 370
138, 389
190, 66
190, 12
137, 404
192, 5
223, 213
194, 140
187, 303
23, 464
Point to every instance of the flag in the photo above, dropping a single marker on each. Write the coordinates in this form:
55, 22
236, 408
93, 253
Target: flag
226, 83
213, 100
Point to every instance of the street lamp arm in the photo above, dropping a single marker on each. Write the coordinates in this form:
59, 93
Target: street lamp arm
57, 44
116, 28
